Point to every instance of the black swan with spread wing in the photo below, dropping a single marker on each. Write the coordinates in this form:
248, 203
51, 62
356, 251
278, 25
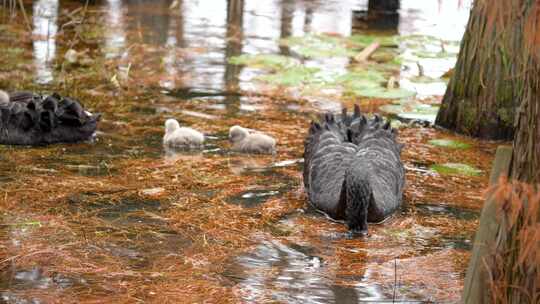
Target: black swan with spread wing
352, 168
30, 119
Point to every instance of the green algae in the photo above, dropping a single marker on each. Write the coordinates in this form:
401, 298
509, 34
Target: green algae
264, 61
410, 110
365, 40
449, 143
319, 46
456, 168
383, 93
294, 76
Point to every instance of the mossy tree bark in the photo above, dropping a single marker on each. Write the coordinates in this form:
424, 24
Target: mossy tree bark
501, 244
485, 87
526, 159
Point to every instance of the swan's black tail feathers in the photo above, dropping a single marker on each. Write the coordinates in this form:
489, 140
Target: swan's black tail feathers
22, 96
351, 128
342, 179
31, 119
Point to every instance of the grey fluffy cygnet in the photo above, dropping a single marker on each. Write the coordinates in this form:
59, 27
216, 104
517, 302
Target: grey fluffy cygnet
4, 97
247, 141
176, 136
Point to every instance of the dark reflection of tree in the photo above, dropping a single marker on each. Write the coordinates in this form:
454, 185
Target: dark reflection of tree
151, 19
287, 12
381, 15
292, 272
233, 47
176, 33
179, 29
344, 294
308, 19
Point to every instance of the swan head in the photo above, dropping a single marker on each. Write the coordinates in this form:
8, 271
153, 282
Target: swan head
4, 97
171, 125
358, 196
237, 133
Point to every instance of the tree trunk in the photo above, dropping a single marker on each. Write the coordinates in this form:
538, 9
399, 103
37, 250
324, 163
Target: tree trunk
485, 88
526, 160
509, 225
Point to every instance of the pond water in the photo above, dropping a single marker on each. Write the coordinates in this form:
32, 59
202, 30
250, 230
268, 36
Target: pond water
120, 219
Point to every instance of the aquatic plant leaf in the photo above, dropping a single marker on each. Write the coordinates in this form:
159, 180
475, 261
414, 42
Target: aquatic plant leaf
385, 56
319, 46
264, 61
361, 75
365, 40
428, 54
412, 110
449, 143
384, 93
456, 168
291, 77
412, 107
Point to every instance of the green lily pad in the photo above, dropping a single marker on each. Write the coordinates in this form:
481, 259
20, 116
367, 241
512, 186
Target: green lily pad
365, 40
264, 61
456, 168
449, 143
318, 46
361, 75
414, 116
412, 110
384, 56
291, 77
427, 54
383, 93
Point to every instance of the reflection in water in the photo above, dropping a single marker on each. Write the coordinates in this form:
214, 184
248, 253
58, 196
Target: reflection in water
151, 19
205, 27
172, 60
442, 19
293, 274
45, 15
233, 47
445, 20
115, 36
287, 14
380, 15
209, 33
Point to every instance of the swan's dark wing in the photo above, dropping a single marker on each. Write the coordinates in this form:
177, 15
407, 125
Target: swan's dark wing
379, 154
22, 96
327, 155
31, 119
353, 143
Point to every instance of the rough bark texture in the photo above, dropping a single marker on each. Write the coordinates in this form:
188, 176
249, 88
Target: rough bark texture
509, 225
484, 90
526, 160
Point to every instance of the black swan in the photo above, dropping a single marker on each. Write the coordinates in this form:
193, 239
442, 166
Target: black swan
251, 141
30, 119
352, 168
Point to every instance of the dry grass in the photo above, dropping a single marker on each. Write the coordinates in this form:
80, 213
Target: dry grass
515, 262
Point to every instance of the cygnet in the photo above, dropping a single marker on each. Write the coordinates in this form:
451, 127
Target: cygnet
4, 97
249, 141
176, 136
